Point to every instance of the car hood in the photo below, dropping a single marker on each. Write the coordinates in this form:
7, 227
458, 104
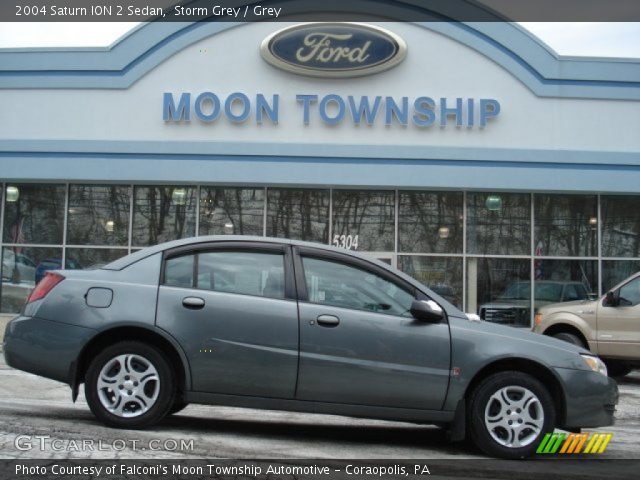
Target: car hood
507, 304
507, 342
577, 307
513, 304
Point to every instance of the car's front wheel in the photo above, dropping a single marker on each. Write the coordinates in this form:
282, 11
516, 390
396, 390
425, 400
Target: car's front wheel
130, 385
509, 413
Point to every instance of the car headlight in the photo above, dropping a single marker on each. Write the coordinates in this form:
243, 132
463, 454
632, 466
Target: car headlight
595, 364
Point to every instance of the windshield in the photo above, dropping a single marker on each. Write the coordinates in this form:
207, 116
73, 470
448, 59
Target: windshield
550, 292
516, 291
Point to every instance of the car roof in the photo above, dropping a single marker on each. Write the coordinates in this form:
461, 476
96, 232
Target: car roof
124, 262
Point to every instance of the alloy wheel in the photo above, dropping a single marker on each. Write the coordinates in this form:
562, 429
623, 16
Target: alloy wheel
128, 385
514, 416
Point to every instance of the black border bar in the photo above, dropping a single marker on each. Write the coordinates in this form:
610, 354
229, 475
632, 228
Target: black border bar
319, 10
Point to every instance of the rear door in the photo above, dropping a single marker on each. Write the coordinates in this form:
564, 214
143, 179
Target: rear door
619, 326
232, 307
358, 342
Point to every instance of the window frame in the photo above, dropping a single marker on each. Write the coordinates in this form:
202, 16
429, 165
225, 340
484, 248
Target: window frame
355, 262
232, 246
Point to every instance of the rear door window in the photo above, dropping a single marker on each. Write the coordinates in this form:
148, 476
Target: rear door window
243, 272
247, 273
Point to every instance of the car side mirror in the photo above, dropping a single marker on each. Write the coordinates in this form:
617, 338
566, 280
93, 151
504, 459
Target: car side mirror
610, 300
427, 311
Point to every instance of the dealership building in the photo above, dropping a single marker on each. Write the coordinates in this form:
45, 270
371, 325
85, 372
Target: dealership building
469, 155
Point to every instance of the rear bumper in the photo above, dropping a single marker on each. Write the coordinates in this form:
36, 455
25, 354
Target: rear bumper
43, 347
590, 398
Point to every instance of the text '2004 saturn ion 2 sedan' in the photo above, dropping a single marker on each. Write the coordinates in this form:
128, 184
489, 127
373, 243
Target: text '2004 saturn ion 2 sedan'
286, 325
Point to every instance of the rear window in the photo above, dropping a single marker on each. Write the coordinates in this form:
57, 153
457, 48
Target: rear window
178, 271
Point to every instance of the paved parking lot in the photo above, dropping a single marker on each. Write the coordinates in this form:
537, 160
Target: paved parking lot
39, 412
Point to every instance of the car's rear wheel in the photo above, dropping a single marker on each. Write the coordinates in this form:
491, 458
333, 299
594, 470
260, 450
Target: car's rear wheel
570, 338
130, 385
509, 414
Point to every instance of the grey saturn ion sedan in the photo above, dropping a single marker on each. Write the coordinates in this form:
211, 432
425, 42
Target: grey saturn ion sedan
286, 325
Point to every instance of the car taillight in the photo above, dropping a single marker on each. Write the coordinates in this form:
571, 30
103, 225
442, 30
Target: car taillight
44, 286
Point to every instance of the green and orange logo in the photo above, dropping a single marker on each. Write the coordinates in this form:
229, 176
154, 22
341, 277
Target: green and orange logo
573, 443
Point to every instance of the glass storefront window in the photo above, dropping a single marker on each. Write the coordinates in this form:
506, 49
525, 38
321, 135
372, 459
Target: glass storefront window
98, 215
90, 258
364, 219
566, 225
431, 230
430, 222
620, 226
564, 280
499, 223
298, 214
499, 290
161, 214
22, 268
33, 213
443, 275
615, 271
231, 211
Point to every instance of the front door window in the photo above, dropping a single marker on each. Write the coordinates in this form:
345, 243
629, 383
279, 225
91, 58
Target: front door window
340, 285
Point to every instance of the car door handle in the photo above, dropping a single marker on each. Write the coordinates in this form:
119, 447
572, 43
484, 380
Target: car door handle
328, 320
193, 303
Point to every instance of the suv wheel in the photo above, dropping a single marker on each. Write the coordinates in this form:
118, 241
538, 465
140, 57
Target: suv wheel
509, 414
130, 385
570, 338
617, 368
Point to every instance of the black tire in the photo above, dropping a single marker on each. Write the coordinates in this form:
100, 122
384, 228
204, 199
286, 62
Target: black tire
480, 401
570, 338
178, 406
165, 392
617, 368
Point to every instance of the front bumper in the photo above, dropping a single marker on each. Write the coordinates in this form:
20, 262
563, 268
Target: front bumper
43, 347
590, 398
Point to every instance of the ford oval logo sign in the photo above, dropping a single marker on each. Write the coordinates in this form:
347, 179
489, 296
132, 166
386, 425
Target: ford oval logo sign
335, 50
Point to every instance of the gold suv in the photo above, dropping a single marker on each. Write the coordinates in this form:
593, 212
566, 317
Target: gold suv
609, 326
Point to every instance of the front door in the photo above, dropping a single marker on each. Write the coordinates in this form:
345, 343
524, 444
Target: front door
233, 310
358, 342
619, 326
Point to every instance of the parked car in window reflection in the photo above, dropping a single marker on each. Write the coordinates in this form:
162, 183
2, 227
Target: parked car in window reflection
53, 264
17, 267
445, 291
513, 305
